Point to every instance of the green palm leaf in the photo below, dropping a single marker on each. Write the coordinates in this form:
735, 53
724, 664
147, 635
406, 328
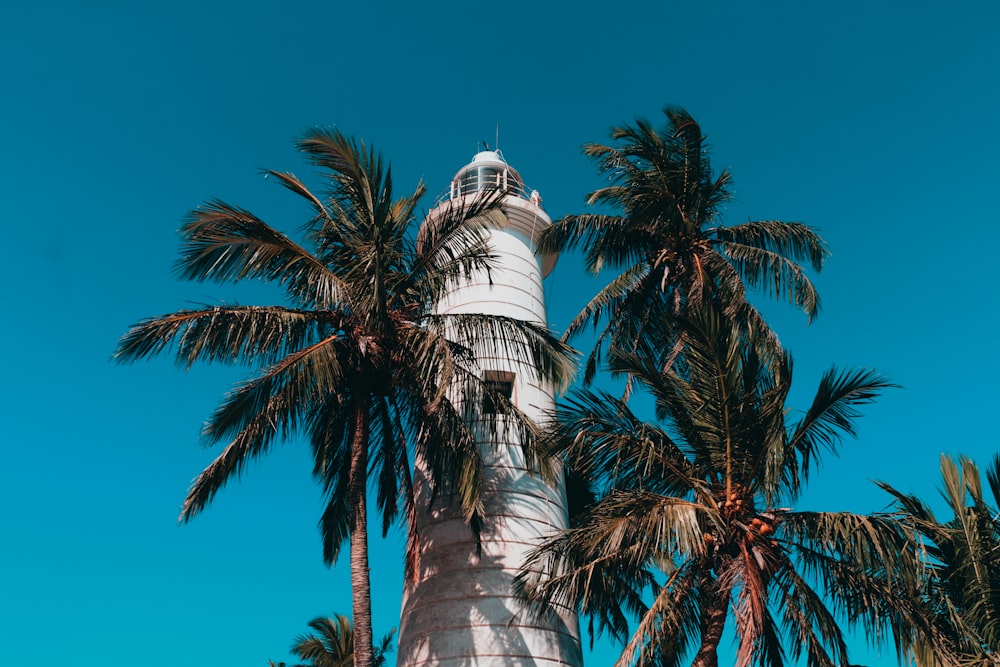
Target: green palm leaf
225, 334
832, 415
228, 244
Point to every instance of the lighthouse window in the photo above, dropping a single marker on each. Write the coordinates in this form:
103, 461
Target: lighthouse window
477, 178
470, 181
489, 178
499, 385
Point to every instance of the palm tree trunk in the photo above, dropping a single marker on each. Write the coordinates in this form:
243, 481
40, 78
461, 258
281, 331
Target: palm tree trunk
361, 589
714, 610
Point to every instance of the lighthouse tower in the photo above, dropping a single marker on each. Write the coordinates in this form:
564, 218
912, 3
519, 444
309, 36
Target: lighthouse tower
459, 611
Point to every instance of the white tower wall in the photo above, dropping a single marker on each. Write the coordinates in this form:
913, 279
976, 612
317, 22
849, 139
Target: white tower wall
460, 611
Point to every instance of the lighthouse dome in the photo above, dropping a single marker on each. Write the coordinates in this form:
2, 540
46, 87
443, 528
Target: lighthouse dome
522, 211
487, 171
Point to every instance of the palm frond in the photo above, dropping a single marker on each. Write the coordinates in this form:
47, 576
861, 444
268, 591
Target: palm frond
279, 392
267, 407
970, 549
612, 298
775, 272
867, 567
832, 414
631, 310
530, 347
993, 478
807, 621
223, 334
388, 439
603, 439
667, 628
358, 178
292, 182
225, 243
332, 645
601, 565
453, 244
795, 241
601, 588
572, 231
330, 442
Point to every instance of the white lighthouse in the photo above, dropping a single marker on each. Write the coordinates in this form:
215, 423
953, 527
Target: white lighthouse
460, 611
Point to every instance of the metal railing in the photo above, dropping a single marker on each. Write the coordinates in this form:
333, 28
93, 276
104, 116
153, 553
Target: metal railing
473, 183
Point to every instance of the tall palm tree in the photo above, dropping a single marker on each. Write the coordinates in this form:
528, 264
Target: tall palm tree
691, 523
358, 362
666, 238
331, 644
953, 619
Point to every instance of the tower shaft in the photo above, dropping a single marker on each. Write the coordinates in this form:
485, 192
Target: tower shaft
459, 610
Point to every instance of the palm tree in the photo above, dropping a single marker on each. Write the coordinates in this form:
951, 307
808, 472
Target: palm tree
358, 362
953, 619
332, 644
668, 243
690, 525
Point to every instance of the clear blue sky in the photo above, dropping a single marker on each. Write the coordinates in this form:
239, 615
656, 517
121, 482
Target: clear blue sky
874, 121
